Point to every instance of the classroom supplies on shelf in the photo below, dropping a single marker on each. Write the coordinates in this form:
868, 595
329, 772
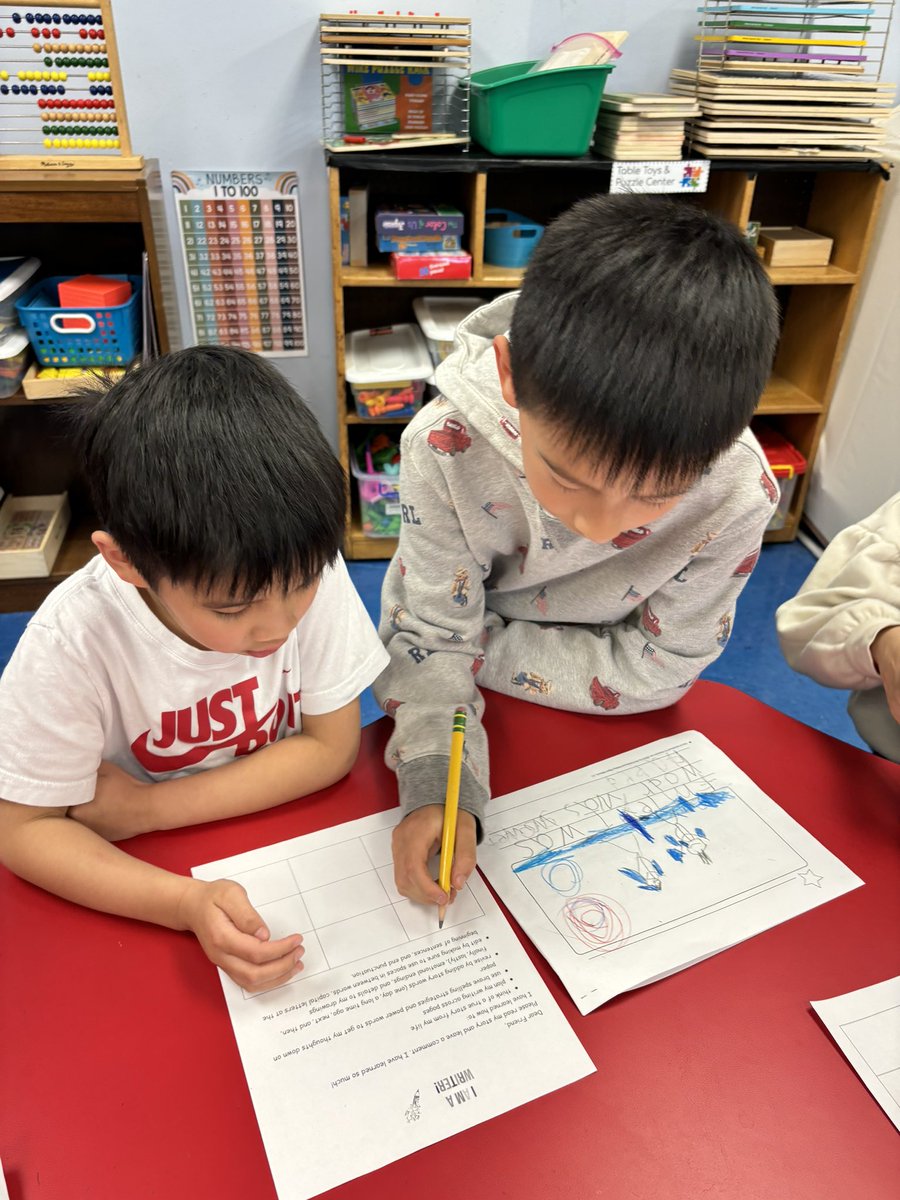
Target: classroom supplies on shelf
394, 79
16, 276
418, 220
96, 291
52, 383
778, 81
62, 103
438, 317
584, 50
792, 246
375, 465
358, 226
31, 532
15, 355
643, 127
83, 336
387, 368
509, 238
786, 464
453, 264
517, 111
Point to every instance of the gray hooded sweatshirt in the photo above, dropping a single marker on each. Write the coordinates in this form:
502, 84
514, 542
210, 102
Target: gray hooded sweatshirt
486, 588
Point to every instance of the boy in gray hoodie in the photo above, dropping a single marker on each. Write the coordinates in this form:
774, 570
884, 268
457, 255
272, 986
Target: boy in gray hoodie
583, 503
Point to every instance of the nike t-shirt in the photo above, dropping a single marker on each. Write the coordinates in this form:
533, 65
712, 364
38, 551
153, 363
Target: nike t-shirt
96, 676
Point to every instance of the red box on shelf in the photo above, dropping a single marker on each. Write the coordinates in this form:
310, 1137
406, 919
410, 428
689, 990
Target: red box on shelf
432, 266
93, 291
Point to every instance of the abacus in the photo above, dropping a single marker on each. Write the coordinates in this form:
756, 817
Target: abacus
62, 104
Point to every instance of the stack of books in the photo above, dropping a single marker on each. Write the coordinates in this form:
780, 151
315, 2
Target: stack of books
648, 126
772, 116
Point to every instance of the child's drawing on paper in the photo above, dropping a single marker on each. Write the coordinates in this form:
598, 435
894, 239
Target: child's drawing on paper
647, 847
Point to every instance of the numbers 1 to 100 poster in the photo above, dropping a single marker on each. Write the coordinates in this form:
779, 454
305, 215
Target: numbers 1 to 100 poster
240, 233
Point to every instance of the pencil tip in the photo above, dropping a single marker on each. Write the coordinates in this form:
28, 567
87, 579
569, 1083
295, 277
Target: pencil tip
440, 922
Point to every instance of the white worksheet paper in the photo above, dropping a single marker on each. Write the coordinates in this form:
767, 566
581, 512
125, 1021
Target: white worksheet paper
395, 1034
866, 1026
633, 868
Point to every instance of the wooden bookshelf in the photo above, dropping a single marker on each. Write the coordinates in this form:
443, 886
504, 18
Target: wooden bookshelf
75, 222
840, 199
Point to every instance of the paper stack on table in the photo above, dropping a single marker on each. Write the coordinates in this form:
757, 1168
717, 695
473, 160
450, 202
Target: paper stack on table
643, 127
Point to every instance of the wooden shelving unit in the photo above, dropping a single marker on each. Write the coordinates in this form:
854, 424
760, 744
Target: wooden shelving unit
76, 222
834, 198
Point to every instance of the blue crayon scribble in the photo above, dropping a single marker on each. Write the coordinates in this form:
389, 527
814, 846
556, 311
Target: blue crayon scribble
639, 880
656, 867
678, 807
712, 799
678, 855
633, 821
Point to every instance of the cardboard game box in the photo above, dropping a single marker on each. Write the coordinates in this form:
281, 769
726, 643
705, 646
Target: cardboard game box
387, 101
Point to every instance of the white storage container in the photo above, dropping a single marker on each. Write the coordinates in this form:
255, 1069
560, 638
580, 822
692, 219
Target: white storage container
31, 532
439, 316
16, 277
15, 355
387, 368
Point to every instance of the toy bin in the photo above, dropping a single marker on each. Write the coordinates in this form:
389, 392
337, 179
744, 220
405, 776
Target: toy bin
84, 336
545, 114
786, 463
15, 355
438, 317
379, 499
387, 369
16, 276
509, 238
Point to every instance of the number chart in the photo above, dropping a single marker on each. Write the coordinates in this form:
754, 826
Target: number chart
240, 233
61, 97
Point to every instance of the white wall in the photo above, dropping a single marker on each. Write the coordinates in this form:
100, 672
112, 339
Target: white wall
216, 84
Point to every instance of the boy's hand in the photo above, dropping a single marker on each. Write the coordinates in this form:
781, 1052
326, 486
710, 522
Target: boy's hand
234, 936
120, 808
886, 656
416, 839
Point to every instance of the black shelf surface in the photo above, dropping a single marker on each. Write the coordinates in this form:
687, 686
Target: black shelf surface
476, 159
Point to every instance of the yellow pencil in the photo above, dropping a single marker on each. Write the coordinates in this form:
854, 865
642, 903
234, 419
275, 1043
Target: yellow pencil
451, 806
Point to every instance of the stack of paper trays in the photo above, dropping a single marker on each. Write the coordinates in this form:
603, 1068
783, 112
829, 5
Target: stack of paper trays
645, 126
777, 116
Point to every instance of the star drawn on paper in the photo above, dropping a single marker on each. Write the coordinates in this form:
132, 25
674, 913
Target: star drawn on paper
810, 878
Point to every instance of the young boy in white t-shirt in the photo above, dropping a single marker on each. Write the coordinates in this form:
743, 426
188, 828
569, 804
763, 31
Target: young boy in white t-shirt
206, 663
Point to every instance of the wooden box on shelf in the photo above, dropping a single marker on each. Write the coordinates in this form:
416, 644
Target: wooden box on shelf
32, 529
792, 246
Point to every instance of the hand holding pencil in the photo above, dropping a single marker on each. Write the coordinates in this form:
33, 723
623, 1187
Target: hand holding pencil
451, 806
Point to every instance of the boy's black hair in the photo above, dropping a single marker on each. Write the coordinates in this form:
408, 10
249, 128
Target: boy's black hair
644, 332
208, 469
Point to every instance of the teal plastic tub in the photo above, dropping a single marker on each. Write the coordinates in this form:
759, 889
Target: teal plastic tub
548, 114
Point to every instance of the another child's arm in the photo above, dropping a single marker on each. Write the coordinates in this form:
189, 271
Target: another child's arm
433, 625
321, 754
70, 860
843, 626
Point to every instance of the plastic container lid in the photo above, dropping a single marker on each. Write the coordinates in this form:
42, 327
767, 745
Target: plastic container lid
785, 461
15, 273
387, 355
13, 342
440, 315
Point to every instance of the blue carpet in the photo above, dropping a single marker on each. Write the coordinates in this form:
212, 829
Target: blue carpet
752, 661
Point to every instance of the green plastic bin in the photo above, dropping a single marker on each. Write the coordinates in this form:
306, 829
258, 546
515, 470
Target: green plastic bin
548, 114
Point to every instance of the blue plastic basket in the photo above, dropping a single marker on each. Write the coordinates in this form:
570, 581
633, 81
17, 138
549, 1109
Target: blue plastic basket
512, 243
101, 337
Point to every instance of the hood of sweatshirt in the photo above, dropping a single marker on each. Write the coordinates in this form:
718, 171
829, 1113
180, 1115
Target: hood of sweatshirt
468, 377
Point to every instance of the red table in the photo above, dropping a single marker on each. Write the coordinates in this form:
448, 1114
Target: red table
120, 1078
